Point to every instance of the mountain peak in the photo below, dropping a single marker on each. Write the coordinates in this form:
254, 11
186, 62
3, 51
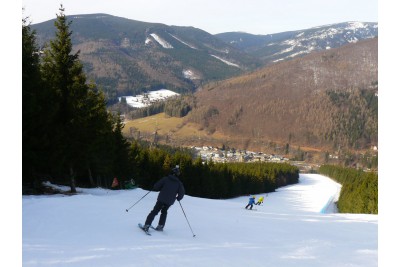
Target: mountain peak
287, 45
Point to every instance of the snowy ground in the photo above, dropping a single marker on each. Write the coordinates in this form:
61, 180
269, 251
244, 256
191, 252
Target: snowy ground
145, 100
294, 227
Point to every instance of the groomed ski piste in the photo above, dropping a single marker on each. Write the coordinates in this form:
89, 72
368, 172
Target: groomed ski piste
295, 226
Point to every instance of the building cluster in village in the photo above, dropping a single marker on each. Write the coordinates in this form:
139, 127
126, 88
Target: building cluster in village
231, 155
215, 154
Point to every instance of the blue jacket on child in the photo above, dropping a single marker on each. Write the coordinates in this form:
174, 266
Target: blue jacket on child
251, 200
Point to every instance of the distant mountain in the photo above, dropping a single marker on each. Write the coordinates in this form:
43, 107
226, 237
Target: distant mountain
273, 48
326, 99
126, 56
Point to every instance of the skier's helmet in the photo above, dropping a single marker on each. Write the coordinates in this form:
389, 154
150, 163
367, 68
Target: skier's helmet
176, 170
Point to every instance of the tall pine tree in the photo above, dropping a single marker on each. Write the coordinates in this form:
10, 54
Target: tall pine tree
30, 85
63, 72
37, 112
86, 140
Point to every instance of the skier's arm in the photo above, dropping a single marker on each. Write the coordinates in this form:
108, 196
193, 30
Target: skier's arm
157, 186
181, 192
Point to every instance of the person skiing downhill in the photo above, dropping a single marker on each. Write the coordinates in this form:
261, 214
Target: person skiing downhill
170, 188
251, 202
260, 200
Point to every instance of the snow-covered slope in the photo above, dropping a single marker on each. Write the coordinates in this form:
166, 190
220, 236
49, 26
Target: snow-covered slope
287, 45
94, 229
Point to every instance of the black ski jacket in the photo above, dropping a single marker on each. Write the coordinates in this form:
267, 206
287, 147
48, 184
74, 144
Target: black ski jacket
170, 188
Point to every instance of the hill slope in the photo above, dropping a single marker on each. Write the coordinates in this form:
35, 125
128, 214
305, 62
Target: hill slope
327, 98
287, 45
93, 229
127, 56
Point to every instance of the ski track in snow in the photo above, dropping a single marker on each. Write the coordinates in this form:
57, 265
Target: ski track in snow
289, 229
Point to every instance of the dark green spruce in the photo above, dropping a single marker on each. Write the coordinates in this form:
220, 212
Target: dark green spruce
68, 134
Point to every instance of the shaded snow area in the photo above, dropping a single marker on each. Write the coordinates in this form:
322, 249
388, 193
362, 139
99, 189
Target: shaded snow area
93, 228
140, 101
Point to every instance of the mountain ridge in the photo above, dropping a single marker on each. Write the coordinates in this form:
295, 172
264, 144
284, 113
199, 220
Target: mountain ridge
276, 47
128, 57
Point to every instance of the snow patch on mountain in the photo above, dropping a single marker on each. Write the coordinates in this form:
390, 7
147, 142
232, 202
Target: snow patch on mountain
189, 74
226, 61
147, 41
189, 45
323, 37
161, 41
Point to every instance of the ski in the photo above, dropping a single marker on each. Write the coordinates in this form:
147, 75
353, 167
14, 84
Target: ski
250, 209
141, 227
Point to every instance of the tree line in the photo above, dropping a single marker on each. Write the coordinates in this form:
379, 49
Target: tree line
210, 179
359, 192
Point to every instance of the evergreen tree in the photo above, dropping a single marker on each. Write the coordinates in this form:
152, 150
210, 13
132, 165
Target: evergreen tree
122, 158
67, 129
63, 72
97, 135
30, 86
37, 111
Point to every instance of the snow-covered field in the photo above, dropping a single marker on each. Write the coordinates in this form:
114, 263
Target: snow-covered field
140, 101
294, 227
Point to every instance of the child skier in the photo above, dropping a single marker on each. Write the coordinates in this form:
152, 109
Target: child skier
260, 200
251, 202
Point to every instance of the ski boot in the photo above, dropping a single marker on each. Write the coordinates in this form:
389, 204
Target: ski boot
159, 227
146, 228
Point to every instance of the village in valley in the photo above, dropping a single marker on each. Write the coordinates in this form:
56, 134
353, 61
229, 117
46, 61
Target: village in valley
215, 154
232, 155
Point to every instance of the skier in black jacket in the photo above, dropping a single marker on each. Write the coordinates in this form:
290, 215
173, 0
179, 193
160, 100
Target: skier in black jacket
170, 188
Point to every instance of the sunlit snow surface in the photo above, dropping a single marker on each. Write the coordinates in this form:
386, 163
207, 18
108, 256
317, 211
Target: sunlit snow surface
289, 229
161, 41
140, 101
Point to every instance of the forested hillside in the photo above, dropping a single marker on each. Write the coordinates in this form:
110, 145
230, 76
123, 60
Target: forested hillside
128, 57
326, 99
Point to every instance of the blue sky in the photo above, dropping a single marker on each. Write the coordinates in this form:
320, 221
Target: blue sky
251, 16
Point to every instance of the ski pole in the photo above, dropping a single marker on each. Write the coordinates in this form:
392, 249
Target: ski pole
137, 201
186, 219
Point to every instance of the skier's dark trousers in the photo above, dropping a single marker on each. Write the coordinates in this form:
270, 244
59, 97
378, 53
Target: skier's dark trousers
170, 188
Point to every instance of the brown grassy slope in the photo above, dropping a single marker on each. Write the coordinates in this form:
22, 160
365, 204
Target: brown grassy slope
288, 101
171, 130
